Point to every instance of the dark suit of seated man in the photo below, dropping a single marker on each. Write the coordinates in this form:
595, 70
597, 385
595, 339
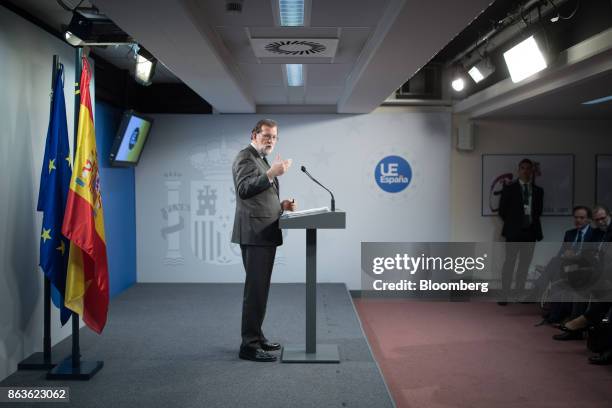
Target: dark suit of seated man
573, 329
573, 242
520, 207
256, 229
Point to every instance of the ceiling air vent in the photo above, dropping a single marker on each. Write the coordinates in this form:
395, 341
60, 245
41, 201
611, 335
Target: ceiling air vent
234, 6
300, 48
295, 47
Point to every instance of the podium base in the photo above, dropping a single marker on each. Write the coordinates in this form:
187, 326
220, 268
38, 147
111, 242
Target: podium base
325, 354
36, 362
84, 372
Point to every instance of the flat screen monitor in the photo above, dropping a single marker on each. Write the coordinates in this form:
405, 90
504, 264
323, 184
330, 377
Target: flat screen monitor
131, 138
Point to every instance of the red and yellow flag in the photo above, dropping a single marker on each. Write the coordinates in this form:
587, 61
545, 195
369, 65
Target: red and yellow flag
87, 276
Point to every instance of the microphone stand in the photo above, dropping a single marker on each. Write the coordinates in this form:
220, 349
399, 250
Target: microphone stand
333, 201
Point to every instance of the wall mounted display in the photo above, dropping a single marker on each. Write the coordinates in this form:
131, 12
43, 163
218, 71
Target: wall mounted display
553, 172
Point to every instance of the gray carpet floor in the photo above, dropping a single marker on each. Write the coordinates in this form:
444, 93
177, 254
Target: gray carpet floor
176, 345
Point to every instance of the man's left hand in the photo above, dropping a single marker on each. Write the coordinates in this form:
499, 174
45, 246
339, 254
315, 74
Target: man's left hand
289, 205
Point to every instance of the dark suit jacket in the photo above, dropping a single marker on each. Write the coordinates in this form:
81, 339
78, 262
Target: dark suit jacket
602, 236
511, 211
570, 236
258, 206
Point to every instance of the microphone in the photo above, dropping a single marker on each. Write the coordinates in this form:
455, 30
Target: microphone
333, 201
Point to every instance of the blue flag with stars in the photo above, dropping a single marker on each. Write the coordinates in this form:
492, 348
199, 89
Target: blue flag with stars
54, 183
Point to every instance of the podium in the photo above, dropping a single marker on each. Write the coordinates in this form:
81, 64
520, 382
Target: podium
312, 352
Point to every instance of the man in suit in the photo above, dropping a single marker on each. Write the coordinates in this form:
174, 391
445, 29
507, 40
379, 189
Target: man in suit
603, 226
520, 207
574, 241
598, 307
256, 229
583, 232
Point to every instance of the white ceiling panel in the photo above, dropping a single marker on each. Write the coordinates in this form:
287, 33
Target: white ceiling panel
236, 41
323, 95
296, 95
270, 95
347, 13
266, 75
328, 74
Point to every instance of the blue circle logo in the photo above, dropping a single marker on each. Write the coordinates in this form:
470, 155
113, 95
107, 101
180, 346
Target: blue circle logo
393, 174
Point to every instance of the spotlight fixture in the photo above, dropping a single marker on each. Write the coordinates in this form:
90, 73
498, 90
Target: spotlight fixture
145, 67
481, 70
90, 28
458, 84
524, 60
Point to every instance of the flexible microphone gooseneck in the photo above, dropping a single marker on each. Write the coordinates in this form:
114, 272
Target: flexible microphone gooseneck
333, 201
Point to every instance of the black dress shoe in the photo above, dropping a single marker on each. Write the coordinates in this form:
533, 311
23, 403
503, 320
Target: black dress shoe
269, 346
502, 303
568, 335
604, 358
256, 355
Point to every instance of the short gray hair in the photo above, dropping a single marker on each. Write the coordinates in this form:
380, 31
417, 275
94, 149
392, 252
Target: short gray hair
264, 122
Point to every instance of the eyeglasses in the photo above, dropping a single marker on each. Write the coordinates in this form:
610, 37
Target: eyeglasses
599, 219
266, 136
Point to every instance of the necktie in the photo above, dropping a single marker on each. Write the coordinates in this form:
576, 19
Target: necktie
579, 239
275, 181
526, 217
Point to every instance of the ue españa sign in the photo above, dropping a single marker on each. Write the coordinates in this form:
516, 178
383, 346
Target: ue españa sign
393, 174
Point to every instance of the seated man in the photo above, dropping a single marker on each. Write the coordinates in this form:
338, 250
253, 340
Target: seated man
597, 310
573, 241
603, 227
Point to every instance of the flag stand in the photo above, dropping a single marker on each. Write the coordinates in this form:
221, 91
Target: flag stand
42, 360
72, 368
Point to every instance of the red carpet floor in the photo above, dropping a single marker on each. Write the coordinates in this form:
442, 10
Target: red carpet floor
439, 355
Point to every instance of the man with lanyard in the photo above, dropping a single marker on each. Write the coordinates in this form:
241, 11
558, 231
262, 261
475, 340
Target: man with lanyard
520, 207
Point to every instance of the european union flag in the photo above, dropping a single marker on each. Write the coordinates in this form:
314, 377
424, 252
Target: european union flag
54, 183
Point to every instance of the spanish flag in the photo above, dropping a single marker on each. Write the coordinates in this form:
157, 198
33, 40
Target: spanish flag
87, 276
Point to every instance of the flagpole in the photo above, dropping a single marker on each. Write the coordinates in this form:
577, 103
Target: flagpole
38, 360
76, 352
72, 368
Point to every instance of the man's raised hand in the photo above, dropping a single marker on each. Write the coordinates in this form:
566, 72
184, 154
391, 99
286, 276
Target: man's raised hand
279, 167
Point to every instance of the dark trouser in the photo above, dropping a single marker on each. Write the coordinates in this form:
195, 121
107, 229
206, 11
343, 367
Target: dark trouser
521, 247
258, 262
597, 311
560, 311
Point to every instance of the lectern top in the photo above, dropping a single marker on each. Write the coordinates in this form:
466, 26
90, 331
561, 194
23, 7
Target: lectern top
315, 218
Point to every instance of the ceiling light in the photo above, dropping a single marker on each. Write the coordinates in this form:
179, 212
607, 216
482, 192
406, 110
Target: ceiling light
291, 12
458, 84
598, 100
72, 39
294, 75
524, 60
145, 67
476, 74
481, 70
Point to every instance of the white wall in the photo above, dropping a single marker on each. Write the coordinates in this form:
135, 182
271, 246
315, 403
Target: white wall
26, 55
340, 150
584, 139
